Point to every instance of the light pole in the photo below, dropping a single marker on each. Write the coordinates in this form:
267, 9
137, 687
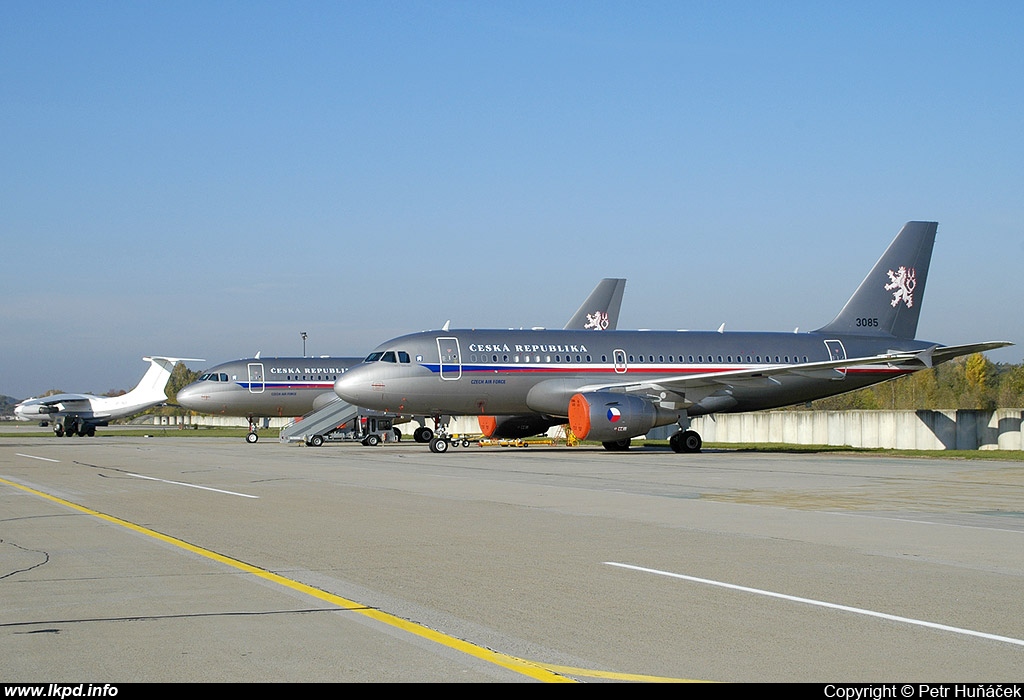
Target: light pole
303, 334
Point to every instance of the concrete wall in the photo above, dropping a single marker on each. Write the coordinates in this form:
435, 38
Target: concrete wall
213, 421
904, 430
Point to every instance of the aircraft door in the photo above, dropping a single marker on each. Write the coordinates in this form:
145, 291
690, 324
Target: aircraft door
450, 358
836, 351
256, 378
619, 358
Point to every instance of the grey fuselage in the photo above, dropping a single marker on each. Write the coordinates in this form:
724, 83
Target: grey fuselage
479, 372
266, 387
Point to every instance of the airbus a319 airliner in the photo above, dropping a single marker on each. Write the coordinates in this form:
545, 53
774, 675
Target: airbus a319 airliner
258, 387
617, 385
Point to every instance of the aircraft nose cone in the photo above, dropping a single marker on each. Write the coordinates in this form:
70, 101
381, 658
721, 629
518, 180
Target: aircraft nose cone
344, 386
354, 386
188, 396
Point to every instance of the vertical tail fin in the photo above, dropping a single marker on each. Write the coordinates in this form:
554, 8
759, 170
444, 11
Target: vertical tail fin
151, 386
888, 301
601, 309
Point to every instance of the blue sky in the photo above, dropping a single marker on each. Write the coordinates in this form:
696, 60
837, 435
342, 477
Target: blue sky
211, 179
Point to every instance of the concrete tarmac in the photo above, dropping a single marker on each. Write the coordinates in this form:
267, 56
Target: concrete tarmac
151, 559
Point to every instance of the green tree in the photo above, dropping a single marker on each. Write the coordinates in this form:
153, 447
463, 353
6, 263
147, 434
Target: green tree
1010, 386
181, 376
978, 393
972, 382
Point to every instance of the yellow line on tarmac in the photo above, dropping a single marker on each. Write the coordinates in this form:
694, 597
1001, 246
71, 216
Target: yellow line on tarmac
615, 676
522, 666
549, 673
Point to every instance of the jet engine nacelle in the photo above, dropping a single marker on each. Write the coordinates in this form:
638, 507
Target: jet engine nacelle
512, 427
608, 417
324, 399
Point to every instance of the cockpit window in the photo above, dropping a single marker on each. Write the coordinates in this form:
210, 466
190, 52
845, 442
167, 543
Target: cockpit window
223, 376
388, 356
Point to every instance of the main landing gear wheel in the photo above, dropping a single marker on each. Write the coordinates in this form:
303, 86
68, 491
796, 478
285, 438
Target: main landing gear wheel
616, 445
439, 445
423, 434
685, 441
251, 438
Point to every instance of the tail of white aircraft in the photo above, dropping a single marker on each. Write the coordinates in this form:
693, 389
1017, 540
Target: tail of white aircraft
152, 385
888, 301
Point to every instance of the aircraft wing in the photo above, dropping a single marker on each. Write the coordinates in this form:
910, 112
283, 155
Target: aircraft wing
63, 401
769, 374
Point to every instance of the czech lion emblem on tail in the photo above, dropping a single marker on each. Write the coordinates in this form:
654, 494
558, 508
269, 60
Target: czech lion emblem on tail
902, 284
597, 321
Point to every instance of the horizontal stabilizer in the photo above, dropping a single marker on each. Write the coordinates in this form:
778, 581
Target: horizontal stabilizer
938, 354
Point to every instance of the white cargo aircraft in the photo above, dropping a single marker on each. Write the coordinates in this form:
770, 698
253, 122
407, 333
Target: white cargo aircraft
80, 414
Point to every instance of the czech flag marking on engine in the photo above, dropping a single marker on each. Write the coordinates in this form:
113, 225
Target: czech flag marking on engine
613, 415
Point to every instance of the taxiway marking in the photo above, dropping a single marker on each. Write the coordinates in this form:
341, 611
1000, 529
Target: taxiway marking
824, 604
192, 486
